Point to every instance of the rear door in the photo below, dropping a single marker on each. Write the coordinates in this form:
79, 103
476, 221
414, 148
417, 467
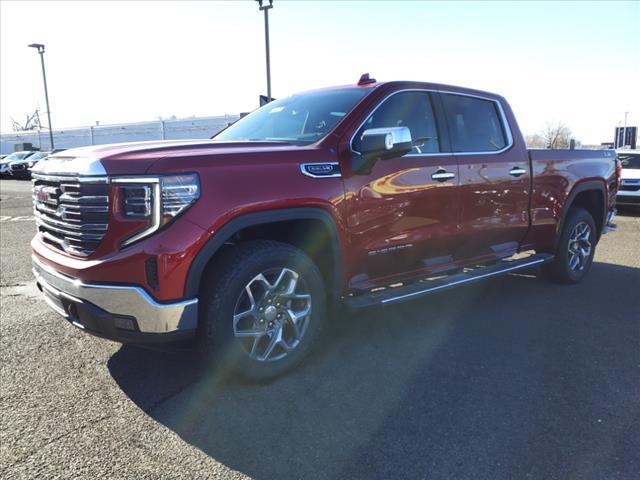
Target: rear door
494, 178
402, 216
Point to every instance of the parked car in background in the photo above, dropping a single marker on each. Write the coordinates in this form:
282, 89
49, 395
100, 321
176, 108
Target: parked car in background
22, 168
15, 156
629, 192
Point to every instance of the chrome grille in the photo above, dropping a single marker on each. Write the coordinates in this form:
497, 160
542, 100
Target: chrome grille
72, 212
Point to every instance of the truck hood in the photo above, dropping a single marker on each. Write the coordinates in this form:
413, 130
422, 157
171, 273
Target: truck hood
138, 157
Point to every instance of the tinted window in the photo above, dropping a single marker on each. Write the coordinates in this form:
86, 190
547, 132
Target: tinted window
304, 118
474, 124
18, 155
629, 160
406, 109
38, 155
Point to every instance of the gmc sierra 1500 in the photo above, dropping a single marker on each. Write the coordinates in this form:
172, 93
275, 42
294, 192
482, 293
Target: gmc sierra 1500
362, 195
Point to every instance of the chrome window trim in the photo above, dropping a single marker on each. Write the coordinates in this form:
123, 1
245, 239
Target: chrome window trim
424, 90
503, 119
308, 174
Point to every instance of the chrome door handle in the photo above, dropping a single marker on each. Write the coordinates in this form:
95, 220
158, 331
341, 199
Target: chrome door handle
442, 175
517, 171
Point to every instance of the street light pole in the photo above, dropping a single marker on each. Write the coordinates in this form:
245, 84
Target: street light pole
266, 8
40, 49
624, 130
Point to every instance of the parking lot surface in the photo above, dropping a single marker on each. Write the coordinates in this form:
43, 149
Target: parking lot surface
512, 378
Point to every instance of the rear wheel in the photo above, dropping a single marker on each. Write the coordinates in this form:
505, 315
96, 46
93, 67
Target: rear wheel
262, 309
575, 250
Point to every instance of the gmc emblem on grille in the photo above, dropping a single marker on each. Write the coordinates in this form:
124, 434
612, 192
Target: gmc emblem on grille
47, 194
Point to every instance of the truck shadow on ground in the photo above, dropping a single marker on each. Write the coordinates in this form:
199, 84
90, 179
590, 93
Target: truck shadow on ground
494, 380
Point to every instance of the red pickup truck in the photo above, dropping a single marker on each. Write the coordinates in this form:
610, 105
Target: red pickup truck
361, 195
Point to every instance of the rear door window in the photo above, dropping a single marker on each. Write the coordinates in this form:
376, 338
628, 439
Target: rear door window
474, 124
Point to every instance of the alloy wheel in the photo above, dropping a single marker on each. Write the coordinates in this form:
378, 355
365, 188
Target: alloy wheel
580, 247
272, 314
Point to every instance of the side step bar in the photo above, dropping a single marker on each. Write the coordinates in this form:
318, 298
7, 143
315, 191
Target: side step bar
421, 288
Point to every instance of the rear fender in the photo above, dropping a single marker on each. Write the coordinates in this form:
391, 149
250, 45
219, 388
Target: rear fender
592, 185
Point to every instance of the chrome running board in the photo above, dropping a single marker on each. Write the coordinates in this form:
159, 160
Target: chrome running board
428, 286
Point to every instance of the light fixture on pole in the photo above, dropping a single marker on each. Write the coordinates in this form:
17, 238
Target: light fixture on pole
40, 48
265, 6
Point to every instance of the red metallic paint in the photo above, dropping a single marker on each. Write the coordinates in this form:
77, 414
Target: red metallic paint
400, 220
556, 174
482, 213
494, 205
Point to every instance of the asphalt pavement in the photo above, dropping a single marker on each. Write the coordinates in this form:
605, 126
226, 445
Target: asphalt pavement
513, 378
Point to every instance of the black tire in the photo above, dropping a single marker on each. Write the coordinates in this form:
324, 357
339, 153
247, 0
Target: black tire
223, 289
560, 269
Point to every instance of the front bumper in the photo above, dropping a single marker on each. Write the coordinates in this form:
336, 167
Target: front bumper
629, 192
628, 198
122, 313
19, 171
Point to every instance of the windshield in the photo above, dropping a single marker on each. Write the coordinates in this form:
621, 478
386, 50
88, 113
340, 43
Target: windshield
304, 118
629, 160
17, 156
38, 155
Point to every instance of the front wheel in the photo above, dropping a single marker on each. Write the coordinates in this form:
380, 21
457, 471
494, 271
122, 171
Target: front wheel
576, 248
263, 306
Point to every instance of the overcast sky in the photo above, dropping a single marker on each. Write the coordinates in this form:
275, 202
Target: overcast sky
118, 62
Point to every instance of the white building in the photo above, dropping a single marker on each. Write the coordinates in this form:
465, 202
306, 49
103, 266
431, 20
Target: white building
201, 127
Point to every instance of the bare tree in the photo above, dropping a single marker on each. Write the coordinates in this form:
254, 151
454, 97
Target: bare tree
32, 122
534, 141
556, 135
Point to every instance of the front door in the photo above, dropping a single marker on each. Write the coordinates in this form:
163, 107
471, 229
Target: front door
402, 216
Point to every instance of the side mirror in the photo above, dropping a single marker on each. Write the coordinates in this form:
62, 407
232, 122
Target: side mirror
382, 144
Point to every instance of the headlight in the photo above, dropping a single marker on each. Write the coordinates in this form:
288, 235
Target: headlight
158, 200
178, 193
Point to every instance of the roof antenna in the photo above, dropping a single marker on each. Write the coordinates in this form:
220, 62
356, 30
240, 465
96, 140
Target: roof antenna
364, 79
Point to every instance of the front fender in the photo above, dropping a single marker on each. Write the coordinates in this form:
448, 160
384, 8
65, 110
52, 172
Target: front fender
219, 238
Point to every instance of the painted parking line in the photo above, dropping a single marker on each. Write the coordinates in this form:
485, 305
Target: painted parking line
20, 218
